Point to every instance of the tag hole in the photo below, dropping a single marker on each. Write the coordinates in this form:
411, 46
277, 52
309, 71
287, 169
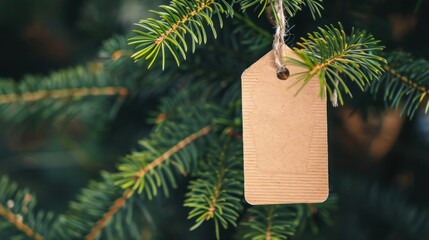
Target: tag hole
283, 74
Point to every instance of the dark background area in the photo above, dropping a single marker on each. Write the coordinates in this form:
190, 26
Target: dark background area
379, 162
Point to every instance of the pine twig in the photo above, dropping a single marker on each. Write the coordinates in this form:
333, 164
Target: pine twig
201, 7
63, 93
188, 140
17, 222
407, 81
269, 224
120, 202
338, 60
216, 193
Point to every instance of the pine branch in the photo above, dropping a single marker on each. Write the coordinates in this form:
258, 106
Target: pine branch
74, 224
217, 192
64, 92
16, 220
105, 199
173, 144
337, 59
136, 172
17, 215
290, 6
271, 222
283, 222
98, 206
181, 18
153, 167
404, 84
117, 205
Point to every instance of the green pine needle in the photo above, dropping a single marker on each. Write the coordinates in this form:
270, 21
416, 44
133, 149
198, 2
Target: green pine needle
181, 22
18, 217
290, 6
405, 84
174, 146
216, 194
338, 59
283, 222
61, 96
271, 222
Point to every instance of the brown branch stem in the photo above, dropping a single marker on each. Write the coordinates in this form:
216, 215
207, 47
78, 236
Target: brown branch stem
269, 224
173, 150
120, 202
405, 80
323, 65
63, 93
217, 190
203, 5
18, 223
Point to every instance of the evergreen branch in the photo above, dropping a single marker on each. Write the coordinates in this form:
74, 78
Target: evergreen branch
172, 145
137, 172
268, 232
16, 220
97, 207
283, 222
290, 6
128, 193
117, 205
201, 7
180, 18
134, 175
217, 192
17, 215
271, 222
166, 155
405, 83
63, 93
335, 58
405, 80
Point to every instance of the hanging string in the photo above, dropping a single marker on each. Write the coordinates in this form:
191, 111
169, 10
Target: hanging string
278, 44
334, 98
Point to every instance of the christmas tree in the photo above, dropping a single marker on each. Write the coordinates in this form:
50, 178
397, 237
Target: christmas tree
141, 137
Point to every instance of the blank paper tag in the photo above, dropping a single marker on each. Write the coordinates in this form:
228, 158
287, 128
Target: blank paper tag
285, 136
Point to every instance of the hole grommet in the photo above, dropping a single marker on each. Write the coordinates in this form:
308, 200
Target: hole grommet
283, 74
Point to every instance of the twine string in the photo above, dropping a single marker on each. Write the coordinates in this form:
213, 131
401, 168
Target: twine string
279, 43
279, 36
278, 47
334, 98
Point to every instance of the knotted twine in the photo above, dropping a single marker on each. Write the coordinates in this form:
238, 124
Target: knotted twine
279, 43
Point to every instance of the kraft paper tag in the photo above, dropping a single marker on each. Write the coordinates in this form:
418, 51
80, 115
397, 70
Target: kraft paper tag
285, 136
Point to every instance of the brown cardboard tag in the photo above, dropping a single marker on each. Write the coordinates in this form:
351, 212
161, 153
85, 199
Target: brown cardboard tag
285, 136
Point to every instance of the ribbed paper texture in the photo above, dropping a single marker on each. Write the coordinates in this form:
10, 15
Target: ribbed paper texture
285, 137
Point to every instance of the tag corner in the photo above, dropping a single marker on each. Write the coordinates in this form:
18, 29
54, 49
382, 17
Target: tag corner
324, 197
249, 200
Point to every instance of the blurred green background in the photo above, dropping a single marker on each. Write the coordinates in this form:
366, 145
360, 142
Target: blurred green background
379, 162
